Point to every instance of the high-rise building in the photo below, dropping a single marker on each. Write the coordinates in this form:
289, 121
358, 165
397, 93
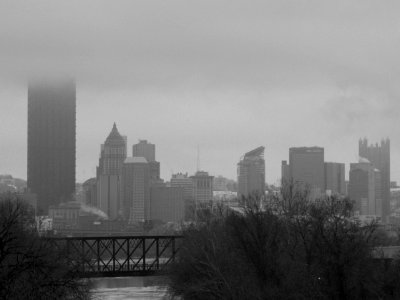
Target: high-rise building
335, 178
136, 189
379, 156
51, 141
109, 173
185, 182
251, 173
154, 172
148, 151
365, 189
144, 149
202, 184
306, 167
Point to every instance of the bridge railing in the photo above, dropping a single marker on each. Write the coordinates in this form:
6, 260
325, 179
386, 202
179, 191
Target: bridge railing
120, 255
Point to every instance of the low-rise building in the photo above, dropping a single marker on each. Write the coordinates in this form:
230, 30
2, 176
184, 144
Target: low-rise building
65, 215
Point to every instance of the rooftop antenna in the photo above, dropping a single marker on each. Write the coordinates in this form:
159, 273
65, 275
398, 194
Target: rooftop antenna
198, 158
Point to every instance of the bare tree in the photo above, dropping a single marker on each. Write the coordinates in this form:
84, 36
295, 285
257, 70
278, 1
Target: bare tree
293, 248
32, 267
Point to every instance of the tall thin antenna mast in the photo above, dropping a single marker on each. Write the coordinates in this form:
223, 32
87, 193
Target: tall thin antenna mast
198, 158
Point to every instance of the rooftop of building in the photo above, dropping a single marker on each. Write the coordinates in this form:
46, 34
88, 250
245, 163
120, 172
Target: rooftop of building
364, 142
201, 174
180, 176
135, 160
143, 142
312, 149
257, 152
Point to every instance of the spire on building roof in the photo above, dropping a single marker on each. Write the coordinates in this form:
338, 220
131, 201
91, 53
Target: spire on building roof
114, 136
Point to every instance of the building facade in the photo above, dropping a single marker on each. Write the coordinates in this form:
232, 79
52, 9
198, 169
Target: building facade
335, 183
365, 189
109, 174
167, 204
51, 142
307, 168
251, 173
148, 151
379, 156
65, 215
185, 182
202, 187
136, 190
144, 149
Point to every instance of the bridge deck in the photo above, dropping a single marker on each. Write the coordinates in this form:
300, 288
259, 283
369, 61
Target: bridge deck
121, 255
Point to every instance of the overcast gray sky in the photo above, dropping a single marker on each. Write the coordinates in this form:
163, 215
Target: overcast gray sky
227, 75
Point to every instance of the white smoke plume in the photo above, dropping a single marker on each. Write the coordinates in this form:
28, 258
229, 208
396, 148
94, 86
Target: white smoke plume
363, 160
95, 211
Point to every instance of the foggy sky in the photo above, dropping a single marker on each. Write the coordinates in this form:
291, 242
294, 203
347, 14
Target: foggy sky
228, 76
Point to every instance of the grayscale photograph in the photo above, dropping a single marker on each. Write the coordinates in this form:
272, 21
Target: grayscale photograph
199, 149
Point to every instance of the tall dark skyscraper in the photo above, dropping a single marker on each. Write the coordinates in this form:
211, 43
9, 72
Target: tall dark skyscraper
306, 167
51, 141
365, 189
136, 189
251, 173
379, 156
335, 178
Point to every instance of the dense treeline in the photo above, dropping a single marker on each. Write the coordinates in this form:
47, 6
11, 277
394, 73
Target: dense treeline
291, 248
32, 267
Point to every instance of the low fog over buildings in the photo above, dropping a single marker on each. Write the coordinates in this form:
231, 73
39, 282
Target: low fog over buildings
51, 141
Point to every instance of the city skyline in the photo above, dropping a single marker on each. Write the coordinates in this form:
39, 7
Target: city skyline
227, 76
199, 149
83, 173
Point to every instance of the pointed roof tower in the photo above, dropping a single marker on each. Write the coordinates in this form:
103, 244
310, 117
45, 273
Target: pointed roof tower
115, 138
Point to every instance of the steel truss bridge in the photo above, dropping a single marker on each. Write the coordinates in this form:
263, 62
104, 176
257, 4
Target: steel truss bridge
119, 256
